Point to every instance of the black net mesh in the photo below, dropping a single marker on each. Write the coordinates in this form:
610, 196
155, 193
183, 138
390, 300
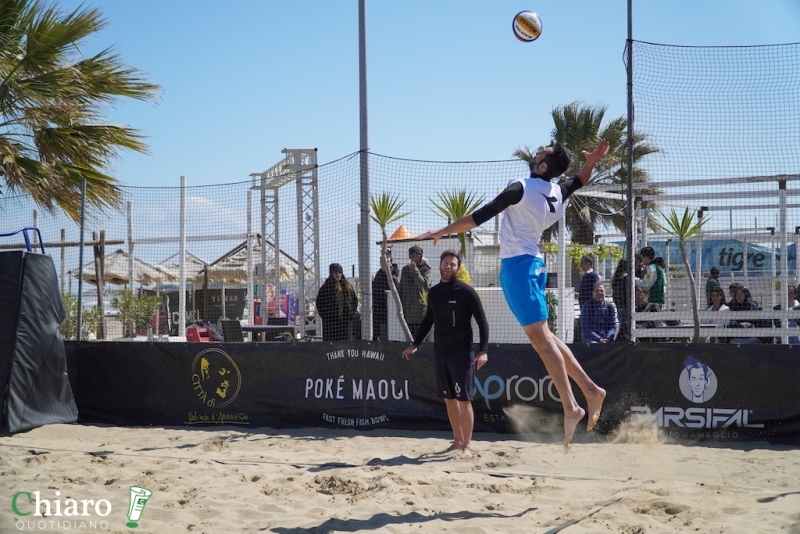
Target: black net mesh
722, 125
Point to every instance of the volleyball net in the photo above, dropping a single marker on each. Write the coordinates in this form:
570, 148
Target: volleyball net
721, 126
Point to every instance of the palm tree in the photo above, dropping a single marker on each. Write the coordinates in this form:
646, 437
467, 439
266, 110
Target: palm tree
685, 228
52, 103
386, 210
453, 205
579, 127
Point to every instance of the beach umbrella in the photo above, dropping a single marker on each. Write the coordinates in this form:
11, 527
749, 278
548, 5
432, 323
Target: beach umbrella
194, 268
116, 271
231, 267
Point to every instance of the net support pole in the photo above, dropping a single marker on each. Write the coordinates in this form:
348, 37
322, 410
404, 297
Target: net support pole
247, 318
363, 244
629, 212
784, 252
130, 245
64, 260
565, 313
182, 268
79, 326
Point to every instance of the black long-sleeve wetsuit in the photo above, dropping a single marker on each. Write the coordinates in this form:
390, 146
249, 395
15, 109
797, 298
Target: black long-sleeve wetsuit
451, 306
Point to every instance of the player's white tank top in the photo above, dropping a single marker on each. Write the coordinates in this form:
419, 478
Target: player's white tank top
524, 222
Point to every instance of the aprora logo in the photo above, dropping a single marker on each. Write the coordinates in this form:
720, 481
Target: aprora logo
698, 383
524, 388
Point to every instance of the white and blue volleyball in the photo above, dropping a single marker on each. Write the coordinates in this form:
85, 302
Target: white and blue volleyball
527, 26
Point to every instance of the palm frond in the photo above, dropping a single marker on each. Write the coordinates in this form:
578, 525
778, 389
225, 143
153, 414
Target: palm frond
453, 205
683, 227
53, 103
385, 209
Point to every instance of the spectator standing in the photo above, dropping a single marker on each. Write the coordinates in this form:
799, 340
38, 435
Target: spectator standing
380, 300
598, 318
588, 280
451, 306
711, 283
621, 294
336, 305
415, 281
654, 279
638, 266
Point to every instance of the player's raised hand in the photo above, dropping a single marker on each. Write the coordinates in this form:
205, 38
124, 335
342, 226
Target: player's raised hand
597, 154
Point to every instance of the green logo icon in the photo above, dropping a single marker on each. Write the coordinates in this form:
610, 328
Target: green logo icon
139, 498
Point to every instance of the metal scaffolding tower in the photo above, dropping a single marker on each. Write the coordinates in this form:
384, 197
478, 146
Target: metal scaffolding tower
299, 165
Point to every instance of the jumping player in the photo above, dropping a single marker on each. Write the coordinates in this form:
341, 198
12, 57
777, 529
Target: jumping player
531, 206
451, 306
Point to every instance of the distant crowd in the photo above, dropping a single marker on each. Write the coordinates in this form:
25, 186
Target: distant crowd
603, 320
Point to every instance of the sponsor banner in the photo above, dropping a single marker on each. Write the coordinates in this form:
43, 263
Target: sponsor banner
696, 392
728, 255
715, 392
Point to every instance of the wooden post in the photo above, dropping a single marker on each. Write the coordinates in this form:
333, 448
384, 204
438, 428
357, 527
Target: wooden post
99, 271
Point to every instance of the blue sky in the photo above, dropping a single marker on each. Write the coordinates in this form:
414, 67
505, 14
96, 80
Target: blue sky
447, 80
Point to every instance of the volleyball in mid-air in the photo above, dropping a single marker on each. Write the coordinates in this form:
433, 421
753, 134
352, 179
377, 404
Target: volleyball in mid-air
527, 26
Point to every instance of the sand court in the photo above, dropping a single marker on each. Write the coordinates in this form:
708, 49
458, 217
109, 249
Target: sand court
223, 479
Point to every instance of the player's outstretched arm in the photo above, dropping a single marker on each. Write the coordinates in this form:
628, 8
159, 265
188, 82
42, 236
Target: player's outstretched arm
464, 224
591, 159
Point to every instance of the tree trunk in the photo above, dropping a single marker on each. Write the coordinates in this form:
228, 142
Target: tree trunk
692, 292
393, 289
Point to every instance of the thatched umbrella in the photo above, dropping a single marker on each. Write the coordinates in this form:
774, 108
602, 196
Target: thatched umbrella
116, 271
231, 267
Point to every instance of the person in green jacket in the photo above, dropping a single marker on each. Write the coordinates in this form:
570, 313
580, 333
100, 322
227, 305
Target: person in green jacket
654, 280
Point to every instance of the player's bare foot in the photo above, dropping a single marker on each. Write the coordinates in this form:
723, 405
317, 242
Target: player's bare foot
595, 405
454, 447
571, 421
466, 452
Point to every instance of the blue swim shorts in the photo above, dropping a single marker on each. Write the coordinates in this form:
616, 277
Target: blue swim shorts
523, 279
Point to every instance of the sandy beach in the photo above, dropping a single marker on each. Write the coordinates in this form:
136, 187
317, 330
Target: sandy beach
222, 479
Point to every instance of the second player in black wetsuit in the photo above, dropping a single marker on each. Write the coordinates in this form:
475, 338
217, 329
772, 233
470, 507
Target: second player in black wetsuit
451, 306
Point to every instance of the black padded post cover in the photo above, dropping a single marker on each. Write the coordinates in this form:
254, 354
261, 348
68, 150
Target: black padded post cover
10, 285
38, 390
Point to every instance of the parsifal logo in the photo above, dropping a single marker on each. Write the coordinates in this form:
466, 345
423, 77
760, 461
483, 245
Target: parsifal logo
139, 498
697, 382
